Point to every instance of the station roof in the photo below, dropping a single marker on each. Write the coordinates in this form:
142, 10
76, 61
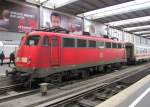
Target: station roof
129, 15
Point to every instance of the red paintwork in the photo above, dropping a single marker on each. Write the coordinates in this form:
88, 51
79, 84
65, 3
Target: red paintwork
47, 57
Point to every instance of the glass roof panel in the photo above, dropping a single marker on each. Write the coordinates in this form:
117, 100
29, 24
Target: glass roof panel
141, 32
137, 28
59, 3
129, 21
117, 9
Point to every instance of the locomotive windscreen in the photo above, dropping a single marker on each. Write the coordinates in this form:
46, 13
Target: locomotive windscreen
32, 40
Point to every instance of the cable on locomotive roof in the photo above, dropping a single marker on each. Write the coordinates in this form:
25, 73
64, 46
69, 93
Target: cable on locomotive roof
54, 29
115, 38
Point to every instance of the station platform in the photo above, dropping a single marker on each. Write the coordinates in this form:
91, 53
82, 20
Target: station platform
136, 95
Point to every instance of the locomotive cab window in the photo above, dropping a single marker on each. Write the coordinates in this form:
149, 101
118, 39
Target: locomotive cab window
68, 42
114, 45
54, 41
108, 45
92, 43
32, 40
100, 44
123, 45
81, 43
45, 41
119, 45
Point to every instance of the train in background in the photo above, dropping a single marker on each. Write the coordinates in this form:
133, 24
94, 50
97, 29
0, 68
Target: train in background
8, 47
137, 53
54, 55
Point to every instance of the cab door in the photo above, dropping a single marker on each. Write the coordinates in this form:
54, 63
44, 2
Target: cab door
55, 51
44, 58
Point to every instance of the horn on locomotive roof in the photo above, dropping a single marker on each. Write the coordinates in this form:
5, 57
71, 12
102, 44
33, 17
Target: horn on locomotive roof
86, 33
115, 38
105, 36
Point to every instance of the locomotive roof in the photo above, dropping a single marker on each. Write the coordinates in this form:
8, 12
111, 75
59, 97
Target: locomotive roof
42, 33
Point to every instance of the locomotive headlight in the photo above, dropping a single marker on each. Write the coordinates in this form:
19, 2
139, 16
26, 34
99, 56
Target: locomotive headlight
24, 59
18, 59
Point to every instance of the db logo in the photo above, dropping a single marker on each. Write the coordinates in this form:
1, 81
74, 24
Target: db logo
101, 55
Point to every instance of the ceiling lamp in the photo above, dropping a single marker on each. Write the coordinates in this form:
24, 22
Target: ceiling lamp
146, 35
141, 32
57, 3
129, 21
137, 28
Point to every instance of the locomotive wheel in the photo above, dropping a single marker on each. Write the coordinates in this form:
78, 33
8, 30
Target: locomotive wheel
100, 68
84, 74
28, 85
108, 68
56, 78
117, 65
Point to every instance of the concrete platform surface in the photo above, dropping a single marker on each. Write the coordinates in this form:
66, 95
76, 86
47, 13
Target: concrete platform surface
137, 95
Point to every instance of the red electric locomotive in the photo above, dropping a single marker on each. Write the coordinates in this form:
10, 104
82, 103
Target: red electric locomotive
41, 54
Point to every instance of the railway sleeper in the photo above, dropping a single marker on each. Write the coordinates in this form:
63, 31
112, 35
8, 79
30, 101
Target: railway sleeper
87, 103
101, 97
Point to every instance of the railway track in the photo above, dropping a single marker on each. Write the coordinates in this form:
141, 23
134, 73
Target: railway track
5, 81
95, 93
78, 93
5, 89
7, 85
18, 95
